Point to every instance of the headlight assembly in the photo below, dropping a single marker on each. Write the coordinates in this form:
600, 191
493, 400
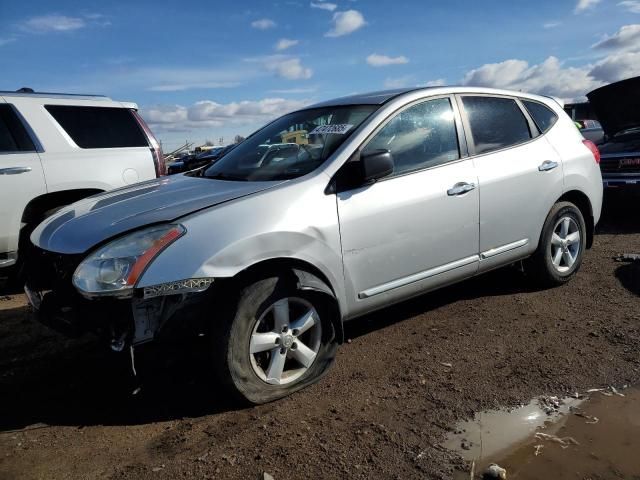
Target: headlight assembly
115, 268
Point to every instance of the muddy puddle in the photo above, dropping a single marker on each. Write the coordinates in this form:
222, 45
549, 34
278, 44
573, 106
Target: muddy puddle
594, 436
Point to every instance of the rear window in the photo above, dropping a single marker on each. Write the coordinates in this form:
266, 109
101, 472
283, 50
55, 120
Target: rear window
13, 136
99, 127
495, 123
543, 116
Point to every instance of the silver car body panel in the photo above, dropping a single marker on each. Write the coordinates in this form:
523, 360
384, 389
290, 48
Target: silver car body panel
82, 225
377, 244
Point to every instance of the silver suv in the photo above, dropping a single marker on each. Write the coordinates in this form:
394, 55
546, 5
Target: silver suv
354, 204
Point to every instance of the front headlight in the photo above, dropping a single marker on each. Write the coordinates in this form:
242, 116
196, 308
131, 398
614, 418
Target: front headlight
115, 268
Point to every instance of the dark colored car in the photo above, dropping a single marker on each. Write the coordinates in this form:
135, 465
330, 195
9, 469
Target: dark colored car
618, 108
196, 161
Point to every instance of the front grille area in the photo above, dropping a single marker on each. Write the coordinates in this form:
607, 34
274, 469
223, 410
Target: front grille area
49, 270
620, 165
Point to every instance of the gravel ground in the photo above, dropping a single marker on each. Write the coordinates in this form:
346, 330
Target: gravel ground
406, 376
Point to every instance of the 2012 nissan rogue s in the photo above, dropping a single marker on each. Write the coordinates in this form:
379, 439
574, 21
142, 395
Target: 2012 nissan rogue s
321, 216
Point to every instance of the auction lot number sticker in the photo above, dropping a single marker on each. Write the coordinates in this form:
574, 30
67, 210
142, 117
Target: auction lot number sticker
338, 129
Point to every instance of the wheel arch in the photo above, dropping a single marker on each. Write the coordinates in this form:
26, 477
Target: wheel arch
45, 202
581, 200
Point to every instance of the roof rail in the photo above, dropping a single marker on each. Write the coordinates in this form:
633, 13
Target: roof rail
30, 91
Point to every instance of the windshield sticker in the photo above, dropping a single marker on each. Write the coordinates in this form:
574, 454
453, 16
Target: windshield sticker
338, 129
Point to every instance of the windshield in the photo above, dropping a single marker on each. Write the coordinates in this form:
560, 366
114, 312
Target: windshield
291, 146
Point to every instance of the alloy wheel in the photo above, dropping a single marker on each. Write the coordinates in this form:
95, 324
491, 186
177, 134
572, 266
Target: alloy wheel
285, 341
565, 244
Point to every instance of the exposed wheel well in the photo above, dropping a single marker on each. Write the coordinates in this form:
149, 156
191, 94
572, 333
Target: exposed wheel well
583, 203
38, 206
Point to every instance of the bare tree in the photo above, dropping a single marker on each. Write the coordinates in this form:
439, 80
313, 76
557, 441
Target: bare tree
238, 139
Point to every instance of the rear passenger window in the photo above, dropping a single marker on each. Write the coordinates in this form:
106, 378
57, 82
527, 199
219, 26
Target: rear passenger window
543, 116
421, 136
495, 123
13, 136
99, 127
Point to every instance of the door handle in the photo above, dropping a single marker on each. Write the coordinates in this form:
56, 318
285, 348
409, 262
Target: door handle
547, 165
14, 170
460, 188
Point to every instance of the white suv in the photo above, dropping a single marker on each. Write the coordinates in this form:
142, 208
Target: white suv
56, 149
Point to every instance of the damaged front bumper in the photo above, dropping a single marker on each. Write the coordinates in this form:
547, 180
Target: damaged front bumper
120, 321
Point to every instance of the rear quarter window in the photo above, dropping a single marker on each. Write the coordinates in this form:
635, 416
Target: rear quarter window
543, 116
99, 127
495, 123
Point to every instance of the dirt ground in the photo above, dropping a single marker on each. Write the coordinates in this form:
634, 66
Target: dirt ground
66, 408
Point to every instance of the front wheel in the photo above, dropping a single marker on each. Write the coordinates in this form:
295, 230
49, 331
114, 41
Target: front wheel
561, 248
279, 339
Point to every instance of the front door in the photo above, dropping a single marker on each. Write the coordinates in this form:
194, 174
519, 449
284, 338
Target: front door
418, 228
21, 179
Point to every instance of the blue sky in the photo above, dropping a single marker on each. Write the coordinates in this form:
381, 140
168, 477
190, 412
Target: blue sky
204, 70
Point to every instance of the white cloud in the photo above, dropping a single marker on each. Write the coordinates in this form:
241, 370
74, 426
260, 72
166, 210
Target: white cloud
285, 43
376, 60
345, 23
632, 6
324, 6
287, 67
436, 83
551, 77
627, 38
263, 24
207, 113
551, 24
584, 5
52, 23
548, 78
617, 67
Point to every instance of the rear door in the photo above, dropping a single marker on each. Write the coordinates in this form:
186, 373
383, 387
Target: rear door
418, 228
21, 178
519, 174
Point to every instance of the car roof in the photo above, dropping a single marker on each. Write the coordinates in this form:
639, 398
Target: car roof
75, 96
383, 96
370, 98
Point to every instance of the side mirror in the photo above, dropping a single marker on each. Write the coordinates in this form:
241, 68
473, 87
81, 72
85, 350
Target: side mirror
376, 164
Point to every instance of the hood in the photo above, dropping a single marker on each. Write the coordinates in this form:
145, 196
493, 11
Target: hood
617, 105
84, 224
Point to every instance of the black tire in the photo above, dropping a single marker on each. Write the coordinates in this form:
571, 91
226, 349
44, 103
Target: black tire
232, 335
540, 267
18, 276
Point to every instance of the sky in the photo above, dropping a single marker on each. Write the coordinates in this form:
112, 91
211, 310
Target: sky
206, 70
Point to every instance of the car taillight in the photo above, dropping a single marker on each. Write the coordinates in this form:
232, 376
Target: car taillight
592, 146
156, 149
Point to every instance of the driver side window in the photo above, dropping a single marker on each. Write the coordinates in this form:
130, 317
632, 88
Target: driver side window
419, 137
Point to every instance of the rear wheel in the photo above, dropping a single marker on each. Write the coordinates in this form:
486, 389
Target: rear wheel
279, 339
561, 248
